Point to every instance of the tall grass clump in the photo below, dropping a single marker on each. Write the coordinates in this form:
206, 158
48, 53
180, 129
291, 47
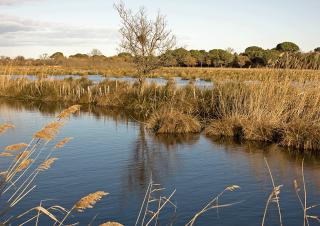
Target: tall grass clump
282, 112
172, 121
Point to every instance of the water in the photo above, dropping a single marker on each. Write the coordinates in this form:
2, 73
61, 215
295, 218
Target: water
113, 153
97, 78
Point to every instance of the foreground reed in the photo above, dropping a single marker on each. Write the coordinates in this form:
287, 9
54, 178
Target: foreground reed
29, 160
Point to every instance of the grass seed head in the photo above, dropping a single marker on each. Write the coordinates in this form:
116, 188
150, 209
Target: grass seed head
5, 127
5, 154
46, 164
23, 165
62, 142
89, 200
15, 147
110, 223
69, 111
49, 131
232, 188
22, 155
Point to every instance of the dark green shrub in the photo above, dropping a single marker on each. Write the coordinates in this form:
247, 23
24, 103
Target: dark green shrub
287, 47
220, 57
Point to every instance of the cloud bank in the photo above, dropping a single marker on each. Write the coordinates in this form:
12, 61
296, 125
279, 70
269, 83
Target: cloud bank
19, 32
12, 2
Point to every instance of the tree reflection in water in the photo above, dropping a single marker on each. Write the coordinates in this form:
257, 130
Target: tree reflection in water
156, 155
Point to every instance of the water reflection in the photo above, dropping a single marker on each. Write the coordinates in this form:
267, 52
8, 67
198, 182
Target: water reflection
53, 108
285, 163
154, 155
97, 78
151, 154
171, 141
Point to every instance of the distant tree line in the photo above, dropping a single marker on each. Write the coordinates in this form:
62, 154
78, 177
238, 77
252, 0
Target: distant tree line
284, 55
93, 59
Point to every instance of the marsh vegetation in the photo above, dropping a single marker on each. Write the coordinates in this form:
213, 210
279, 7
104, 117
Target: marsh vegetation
277, 106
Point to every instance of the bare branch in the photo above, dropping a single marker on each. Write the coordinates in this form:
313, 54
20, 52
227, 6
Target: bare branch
146, 40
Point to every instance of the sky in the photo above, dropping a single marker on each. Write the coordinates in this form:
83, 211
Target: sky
34, 27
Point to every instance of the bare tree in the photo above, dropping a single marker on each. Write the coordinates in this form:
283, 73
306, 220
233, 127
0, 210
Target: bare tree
44, 56
95, 52
146, 40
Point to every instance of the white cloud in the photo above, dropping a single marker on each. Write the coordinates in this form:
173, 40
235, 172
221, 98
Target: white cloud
12, 2
18, 32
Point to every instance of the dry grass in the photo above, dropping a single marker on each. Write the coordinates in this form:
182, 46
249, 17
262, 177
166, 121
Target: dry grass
274, 197
281, 112
152, 205
214, 204
172, 121
307, 218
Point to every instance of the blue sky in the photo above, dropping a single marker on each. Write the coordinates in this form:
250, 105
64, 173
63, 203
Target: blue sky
33, 27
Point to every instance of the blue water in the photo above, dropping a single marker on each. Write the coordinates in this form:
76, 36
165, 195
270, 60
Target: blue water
97, 78
114, 153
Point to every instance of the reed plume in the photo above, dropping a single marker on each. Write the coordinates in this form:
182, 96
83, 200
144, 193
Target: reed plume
49, 131
46, 164
111, 223
24, 164
86, 202
5, 127
69, 111
15, 147
61, 143
6, 154
89, 201
22, 155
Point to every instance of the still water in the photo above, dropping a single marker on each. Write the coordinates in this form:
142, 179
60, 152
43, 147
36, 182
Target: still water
112, 152
180, 82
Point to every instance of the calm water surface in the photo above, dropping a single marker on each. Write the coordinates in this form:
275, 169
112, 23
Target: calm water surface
98, 78
112, 152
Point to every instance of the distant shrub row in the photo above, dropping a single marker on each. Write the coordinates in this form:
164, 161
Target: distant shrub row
284, 55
